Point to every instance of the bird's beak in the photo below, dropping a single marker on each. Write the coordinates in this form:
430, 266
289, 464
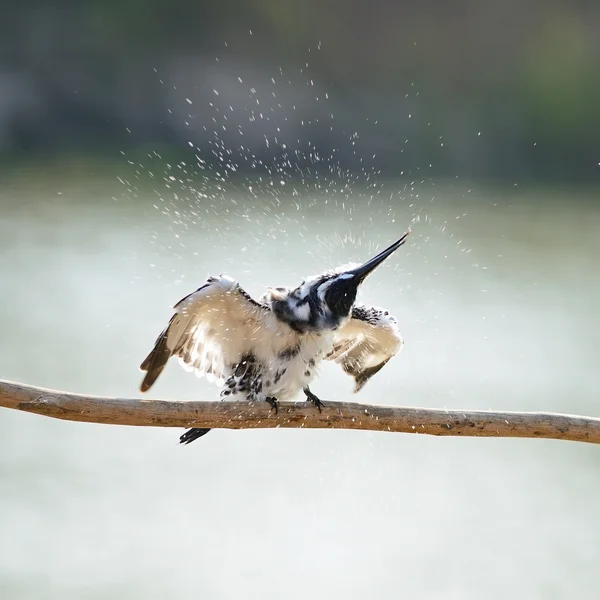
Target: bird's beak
361, 272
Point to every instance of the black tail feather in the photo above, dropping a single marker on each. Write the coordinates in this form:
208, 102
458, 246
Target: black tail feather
192, 434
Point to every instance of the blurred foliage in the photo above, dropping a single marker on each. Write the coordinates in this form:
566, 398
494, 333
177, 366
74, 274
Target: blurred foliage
470, 88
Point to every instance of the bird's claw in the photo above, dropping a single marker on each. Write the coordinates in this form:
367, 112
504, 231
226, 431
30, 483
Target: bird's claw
274, 403
310, 397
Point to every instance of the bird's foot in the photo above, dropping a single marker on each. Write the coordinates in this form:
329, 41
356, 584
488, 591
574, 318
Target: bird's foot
273, 402
310, 397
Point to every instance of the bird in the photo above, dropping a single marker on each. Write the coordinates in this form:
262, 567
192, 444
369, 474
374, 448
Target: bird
269, 349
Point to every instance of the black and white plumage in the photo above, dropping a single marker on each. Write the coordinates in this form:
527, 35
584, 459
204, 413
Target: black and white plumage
365, 343
270, 349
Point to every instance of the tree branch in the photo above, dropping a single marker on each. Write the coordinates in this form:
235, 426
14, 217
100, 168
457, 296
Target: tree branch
335, 415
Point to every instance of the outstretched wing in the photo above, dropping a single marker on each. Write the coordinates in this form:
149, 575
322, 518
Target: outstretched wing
212, 329
365, 343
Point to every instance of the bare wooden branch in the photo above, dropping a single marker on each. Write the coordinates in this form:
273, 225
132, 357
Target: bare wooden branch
335, 415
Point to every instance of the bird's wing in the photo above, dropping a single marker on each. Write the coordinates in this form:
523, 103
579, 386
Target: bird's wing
212, 329
365, 343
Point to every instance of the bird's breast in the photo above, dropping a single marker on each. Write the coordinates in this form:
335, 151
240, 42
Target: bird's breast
292, 367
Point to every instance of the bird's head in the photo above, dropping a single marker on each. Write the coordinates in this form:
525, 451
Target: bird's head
324, 301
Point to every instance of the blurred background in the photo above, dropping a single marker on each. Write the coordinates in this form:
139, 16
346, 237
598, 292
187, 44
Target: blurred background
487, 89
145, 145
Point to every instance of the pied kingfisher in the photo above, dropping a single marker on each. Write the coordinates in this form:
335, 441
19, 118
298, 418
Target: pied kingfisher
269, 349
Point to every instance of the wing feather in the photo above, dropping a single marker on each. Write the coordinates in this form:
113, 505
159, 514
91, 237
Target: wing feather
365, 343
211, 329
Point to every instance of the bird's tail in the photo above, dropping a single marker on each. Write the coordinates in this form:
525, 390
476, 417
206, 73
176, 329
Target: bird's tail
192, 434
155, 362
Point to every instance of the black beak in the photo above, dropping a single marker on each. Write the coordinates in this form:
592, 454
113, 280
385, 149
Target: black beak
361, 272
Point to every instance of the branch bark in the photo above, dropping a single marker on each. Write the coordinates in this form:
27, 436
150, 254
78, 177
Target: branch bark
335, 415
